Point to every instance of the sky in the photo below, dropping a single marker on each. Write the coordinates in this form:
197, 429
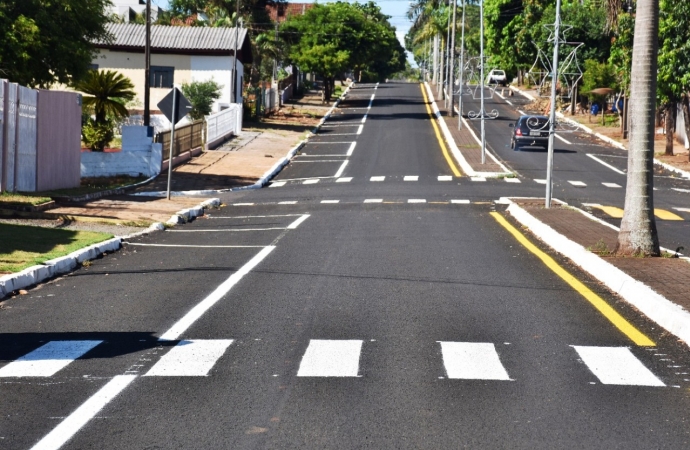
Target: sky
394, 8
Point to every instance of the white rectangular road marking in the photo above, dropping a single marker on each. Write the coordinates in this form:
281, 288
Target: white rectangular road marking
411, 178
140, 244
277, 184
377, 178
472, 361
682, 209
351, 149
288, 202
477, 178
330, 201
612, 185
577, 183
445, 178
192, 358
616, 365
512, 180
87, 411
341, 169
373, 200
344, 180
364, 119
359, 130
331, 358
242, 204
297, 222
460, 202
48, 359
537, 180
416, 200
605, 164
311, 181
197, 311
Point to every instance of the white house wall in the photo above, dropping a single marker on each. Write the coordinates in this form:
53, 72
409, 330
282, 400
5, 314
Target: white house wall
219, 69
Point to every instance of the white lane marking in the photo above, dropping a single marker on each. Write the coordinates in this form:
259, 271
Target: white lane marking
540, 181
522, 113
416, 200
197, 311
577, 183
81, 416
305, 179
331, 358
508, 102
359, 130
411, 178
288, 202
373, 200
325, 142
48, 359
605, 164
612, 185
341, 169
351, 149
682, 209
304, 155
318, 160
278, 184
472, 361
364, 119
190, 358
330, 201
311, 181
445, 178
512, 180
344, 180
254, 217
377, 178
139, 244
337, 125
616, 365
460, 202
297, 222
681, 190
477, 178
563, 139
335, 134
242, 204
219, 230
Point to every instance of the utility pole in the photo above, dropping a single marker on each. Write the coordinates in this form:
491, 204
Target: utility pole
462, 66
552, 115
481, 77
452, 62
147, 67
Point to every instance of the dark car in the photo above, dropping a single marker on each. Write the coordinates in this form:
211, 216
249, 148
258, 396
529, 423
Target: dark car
530, 131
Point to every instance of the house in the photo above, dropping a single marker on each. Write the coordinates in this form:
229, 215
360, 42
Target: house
128, 9
280, 12
178, 55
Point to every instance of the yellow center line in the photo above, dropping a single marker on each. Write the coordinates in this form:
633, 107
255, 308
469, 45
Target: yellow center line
600, 304
444, 149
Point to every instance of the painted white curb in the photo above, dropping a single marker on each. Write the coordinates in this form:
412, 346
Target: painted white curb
459, 157
667, 314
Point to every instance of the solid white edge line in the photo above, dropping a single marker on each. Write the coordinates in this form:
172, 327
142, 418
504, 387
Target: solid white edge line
197, 311
270, 216
81, 416
225, 230
605, 164
139, 244
359, 130
340, 171
297, 222
562, 139
351, 149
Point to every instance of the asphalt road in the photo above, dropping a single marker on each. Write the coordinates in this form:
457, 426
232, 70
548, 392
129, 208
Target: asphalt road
367, 299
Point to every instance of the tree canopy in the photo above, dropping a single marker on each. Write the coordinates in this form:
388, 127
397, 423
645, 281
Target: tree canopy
45, 42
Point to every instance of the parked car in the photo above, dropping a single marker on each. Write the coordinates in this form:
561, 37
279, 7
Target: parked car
497, 76
529, 131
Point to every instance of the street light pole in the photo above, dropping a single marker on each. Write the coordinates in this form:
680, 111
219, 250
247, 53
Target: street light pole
462, 66
481, 75
452, 62
147, 67
552, 115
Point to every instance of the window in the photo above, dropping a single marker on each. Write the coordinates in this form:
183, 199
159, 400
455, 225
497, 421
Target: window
162, 77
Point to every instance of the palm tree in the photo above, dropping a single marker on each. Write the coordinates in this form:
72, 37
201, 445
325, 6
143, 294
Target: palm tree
638, 234
106, 92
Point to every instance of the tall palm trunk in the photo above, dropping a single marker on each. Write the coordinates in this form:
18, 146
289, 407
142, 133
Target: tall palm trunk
638, 235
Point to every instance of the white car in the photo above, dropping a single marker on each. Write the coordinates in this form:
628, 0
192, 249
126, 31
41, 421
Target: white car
497, 76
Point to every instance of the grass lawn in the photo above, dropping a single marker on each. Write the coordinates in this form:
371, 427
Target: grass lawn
10, 199
90, 185
24, 246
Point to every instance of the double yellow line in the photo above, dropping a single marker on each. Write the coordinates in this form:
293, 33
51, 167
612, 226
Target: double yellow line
444, 149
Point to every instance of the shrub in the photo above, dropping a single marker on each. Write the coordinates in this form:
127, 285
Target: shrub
97, 135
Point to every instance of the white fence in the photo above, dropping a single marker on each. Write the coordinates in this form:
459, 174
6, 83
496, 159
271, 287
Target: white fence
221, 125
271, 100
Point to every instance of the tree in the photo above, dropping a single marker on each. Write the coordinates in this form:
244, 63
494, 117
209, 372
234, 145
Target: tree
638, 234
46, 42
106, 95
201, 95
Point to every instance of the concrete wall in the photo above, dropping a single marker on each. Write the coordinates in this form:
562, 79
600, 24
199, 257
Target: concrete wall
139, 156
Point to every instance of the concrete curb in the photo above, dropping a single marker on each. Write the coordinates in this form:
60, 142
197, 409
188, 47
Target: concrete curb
656, 307
606, 139
459, 157
36, 274
267, 176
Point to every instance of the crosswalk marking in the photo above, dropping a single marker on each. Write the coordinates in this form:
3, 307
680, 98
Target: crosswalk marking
331, 358
460, 202
478, 178
577, 183
416, 200
288, 202
48, 359
278, 184
512, 180
682, 209
666, 215
445, 178
343, 180
540, 181
410, 178
330, 201
612, 185
617, 213
616, 365
373, 200
377, 178
310, 181
472, 361
192, 358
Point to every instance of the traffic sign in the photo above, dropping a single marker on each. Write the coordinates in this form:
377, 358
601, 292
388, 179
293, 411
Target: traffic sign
181, 108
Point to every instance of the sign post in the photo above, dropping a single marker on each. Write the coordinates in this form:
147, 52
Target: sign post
175, 107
